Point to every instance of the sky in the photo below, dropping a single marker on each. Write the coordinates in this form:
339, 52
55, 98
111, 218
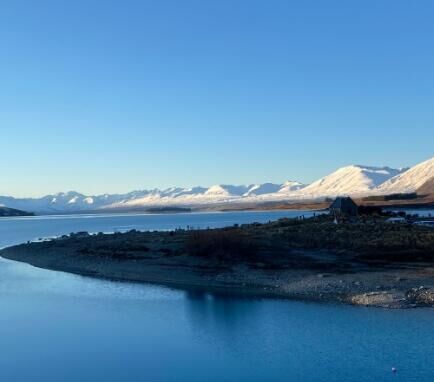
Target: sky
113, 96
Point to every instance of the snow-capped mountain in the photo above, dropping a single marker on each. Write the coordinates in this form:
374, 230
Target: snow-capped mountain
290, 186
350, 180
226, 190
221, 193
410, 180
77, 202
62, 202
261, 189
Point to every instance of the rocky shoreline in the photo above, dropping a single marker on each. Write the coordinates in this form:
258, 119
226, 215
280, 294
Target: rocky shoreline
248, 260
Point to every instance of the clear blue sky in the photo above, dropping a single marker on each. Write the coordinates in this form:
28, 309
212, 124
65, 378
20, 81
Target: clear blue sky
110, 96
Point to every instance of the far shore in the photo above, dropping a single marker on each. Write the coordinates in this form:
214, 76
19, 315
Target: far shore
415, 203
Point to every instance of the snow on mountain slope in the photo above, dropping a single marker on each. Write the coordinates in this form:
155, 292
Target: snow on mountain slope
178, 191
180, 196
76, 202
410, 180
261, 189
350, 180
291, 186
58, 203
227, 190
264, 189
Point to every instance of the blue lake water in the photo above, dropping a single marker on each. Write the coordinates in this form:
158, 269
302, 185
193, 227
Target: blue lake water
20, 229
421, 212
61, 327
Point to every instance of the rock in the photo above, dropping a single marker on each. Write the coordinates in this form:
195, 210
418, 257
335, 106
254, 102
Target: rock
421, 296
379, 299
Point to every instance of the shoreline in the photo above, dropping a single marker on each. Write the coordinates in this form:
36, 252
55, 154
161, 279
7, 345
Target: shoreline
299, 285
233, 290
144, 213
419, 203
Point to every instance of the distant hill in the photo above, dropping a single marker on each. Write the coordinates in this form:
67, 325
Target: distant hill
5, 211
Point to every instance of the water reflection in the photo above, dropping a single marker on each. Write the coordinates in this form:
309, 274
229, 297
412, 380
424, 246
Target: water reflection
218, 311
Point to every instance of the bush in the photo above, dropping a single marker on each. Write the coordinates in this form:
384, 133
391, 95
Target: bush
223, 244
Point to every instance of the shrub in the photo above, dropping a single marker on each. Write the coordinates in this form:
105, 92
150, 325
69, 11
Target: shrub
223, 244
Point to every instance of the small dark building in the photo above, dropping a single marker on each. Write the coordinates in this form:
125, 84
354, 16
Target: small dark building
343, 206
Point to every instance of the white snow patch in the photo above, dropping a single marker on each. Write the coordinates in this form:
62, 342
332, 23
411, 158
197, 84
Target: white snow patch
410, 180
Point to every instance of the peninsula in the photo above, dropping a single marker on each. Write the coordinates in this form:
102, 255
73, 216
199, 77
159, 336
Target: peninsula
12, 212
365, 262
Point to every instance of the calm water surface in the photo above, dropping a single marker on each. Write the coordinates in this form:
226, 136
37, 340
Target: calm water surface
60, 327
420, 212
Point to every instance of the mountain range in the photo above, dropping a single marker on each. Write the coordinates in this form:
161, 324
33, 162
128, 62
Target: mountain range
354, 180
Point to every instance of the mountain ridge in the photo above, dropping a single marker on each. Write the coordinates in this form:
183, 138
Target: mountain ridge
359, 179
410, 180
354, 180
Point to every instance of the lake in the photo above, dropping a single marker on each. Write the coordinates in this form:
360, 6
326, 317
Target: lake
60, 327
422, 212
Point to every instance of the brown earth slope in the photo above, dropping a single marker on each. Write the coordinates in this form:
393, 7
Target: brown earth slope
427, 188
